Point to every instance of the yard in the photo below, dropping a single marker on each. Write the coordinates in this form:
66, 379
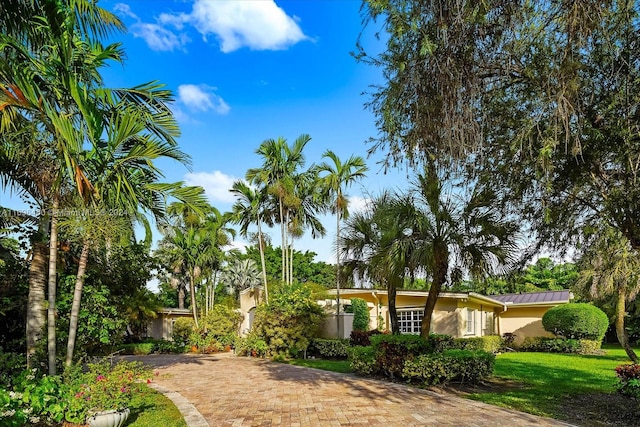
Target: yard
574, 388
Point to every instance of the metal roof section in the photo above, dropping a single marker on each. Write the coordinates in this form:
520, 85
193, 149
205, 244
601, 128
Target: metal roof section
535, 298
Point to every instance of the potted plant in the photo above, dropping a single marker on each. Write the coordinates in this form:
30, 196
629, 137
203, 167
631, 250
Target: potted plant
106, 391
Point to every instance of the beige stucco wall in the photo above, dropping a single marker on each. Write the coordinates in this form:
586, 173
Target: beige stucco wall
249, 299
329, 329
523, 322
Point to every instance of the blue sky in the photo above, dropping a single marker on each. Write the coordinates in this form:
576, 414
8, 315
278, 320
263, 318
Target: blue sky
244, 71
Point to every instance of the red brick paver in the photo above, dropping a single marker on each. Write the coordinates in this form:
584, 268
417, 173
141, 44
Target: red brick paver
239, 391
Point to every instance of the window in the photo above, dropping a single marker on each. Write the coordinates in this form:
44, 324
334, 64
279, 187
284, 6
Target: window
471, 322
409, 321
488, 327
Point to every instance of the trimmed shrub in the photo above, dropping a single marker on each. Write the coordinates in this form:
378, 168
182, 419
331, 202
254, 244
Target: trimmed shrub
362, 338
138, 349
363, 360
360, 314
490, 343
628, 380
577, 321
440, 342
437, 368
392, 351
329, 348
560, 345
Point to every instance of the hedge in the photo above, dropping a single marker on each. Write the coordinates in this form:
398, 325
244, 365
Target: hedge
329, 348
489, 343
437, 368
363, 360
559, 345
393, 350
578, 321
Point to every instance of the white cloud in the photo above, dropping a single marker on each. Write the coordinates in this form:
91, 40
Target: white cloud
216, 185
256, 24
358, 204
156, 36
159, 38
202, 98
124, 9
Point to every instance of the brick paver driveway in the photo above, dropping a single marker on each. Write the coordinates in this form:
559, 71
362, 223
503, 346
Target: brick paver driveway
239, 391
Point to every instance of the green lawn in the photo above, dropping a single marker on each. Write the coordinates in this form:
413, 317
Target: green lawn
539, 383
152, 409
341, 366
542, 383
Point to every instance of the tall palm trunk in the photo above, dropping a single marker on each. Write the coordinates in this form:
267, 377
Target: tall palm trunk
284, 242
35, 305
53, 277
621, 331
262, 262
439, 278
192, 289
338, 269
75, 306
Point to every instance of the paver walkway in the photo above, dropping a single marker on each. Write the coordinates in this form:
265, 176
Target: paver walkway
239, 391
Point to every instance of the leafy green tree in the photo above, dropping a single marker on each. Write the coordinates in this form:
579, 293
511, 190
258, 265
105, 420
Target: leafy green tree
240, 275
537, 99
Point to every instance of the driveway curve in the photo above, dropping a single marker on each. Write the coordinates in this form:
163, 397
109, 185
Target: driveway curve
239, 391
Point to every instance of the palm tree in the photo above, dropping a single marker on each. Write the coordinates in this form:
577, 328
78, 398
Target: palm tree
374, 246
339, 176
249, 209
47, 76
610, 267
281, 163
453, 235
242, 274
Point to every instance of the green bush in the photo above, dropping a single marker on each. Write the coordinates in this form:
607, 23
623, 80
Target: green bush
490, 343
138, 349
290, 320
577, 321
463, 365
329, 348
392, 351
559, 345
362, 338
251, 346
440, 342
362, 360
182, 329
360, 314
628, 380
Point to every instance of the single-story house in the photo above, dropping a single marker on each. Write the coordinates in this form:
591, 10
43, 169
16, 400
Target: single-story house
162, 326
459, 314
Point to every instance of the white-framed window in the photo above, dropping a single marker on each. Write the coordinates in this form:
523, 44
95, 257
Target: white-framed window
471, 321
409, 321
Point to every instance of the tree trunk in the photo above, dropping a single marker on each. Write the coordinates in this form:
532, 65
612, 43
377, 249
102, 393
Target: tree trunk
52, 282
180, 296
439, 279
192, 290
621, 331
284, 244
263, 263
393, 314
75, 306
338, 269
35, 306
